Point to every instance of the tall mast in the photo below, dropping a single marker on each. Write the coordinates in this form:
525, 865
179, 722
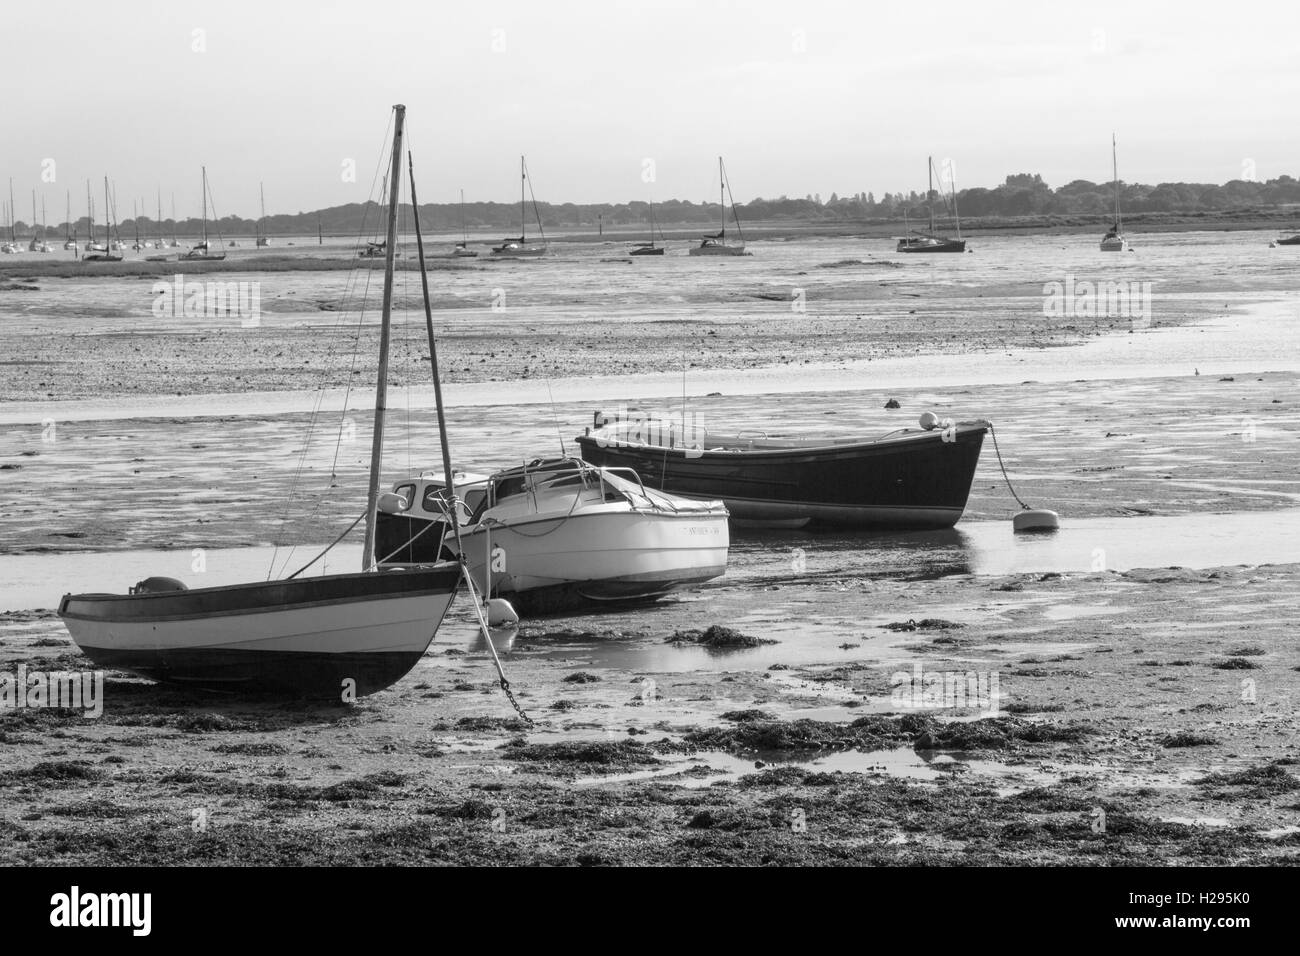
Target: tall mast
67, 214
368, 555
90, 219
464, 229
205, 206
261, 223
1114, 170
174, 242
13, 214
33, 214
722, 197
108, 225
433, 361
523, 176
929, 193
160, 235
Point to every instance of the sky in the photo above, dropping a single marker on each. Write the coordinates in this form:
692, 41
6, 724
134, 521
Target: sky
614, 101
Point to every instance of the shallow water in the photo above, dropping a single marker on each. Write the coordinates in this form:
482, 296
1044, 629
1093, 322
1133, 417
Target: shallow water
758, 561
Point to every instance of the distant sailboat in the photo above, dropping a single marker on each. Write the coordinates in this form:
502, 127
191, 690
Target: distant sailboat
929, 241
91, 244
174, 243
649, 248
520, 248
1114, 240
70, 229
38, 243
462, 248
201, 250
262, 239
12, 245
717, 245
95, 252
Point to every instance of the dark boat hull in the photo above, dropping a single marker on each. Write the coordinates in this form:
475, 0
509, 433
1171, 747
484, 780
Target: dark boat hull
1289, 241
943, 245
915, 482
659, 251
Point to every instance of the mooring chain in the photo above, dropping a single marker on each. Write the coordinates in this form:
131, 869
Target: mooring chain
505, 686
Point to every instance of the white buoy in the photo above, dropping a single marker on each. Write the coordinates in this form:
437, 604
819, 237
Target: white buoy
501, 613
1035, 519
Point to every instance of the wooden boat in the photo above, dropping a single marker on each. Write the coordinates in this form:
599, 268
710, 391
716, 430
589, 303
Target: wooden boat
931, 241
318, 637
565, 533
1114, 240
202, 250
96, 252
1288, 241
648, 248
521, 248
718, 245
907, 478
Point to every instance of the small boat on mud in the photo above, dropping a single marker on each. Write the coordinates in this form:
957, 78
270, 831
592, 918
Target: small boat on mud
907, 478
521, 248
1114, 240
562, 533
202, 250
718, 244
319, 637
930, 241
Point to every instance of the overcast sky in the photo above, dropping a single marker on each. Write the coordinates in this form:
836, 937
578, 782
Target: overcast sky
798, 96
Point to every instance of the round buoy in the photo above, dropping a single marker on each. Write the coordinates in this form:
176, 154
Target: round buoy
1035, 519
929, 421
501, 613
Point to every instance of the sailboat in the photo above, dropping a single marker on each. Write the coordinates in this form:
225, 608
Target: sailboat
38, 243
201, 249
930, 241
262, 239
462, 248
70, 230
520, 248
648, 248
12, 245
135, 220
160, 243
316, 637
91, 244
173, 243
98, 253
717, 245
1114, 240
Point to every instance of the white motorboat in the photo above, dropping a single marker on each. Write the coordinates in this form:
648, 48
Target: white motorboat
562, 532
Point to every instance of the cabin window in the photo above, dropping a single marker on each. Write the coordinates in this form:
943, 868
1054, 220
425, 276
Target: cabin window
408, 495
434, 500
474, 498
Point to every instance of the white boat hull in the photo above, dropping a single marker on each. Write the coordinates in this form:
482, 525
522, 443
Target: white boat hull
307, 636
602, 554
1114, 245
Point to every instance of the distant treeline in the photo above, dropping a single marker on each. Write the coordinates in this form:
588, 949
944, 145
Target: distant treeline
1023, 194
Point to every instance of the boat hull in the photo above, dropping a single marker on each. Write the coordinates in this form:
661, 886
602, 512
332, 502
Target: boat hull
916, 481
305, 637
647, 252
1114, 245
932, 245
547, 564
1289, 241
717, 251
